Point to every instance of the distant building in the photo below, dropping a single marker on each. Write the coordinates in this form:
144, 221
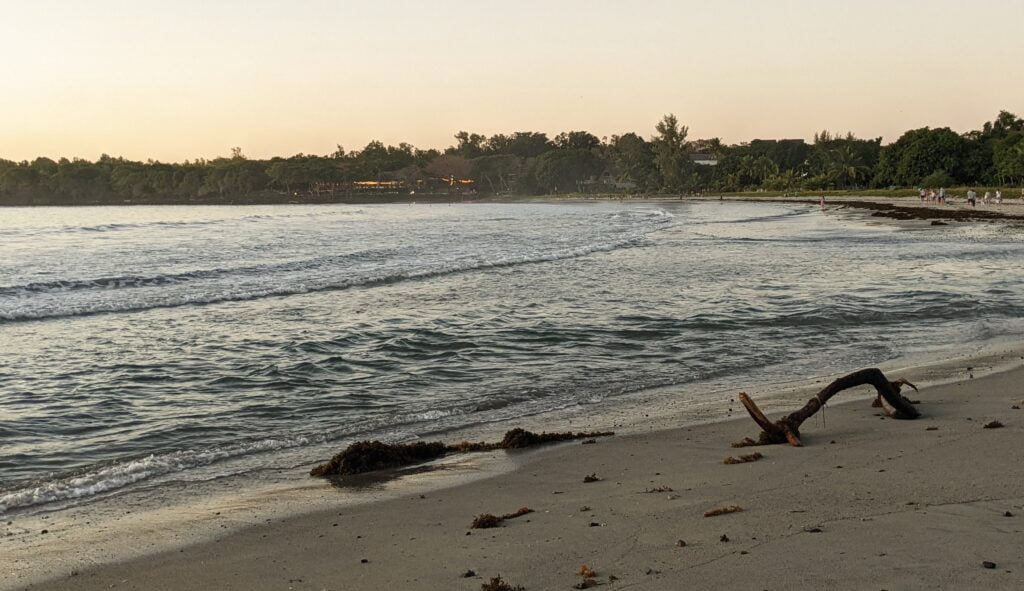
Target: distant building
704, 159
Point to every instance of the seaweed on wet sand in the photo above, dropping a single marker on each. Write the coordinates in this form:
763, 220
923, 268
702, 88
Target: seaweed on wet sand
487, 520
496, 584
743, 459
723, 510
369, 456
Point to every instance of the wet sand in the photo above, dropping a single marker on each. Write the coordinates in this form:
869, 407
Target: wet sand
869, 503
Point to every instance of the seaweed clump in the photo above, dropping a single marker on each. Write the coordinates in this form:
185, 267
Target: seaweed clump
496, 584
487, 520
369, 456
743, 459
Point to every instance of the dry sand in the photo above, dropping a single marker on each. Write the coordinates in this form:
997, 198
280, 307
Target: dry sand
869, 503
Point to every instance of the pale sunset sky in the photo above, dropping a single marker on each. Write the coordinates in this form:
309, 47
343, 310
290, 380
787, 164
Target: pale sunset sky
186, 79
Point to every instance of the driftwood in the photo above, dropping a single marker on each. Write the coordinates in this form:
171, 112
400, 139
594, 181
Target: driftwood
787, 429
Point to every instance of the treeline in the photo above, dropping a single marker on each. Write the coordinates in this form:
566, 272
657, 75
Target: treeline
531, 163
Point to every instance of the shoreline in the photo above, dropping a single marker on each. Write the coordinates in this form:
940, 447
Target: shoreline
253, 522
894, 208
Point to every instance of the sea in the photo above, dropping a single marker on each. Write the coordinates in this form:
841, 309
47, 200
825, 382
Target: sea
148, 348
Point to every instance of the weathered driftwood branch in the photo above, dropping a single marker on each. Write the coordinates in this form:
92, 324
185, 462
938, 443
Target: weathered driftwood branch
787, 429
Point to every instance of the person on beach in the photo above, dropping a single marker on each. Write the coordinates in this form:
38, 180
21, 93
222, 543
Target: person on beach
942, 194
972, 197
922, 193
821, 202
999, 196
985, 199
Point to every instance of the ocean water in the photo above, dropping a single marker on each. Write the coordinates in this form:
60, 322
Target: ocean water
161, 346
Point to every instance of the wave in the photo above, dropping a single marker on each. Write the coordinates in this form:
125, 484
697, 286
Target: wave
120, 474
122, 226
135, 281
294, 287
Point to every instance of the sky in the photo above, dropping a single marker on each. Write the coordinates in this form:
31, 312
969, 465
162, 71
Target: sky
186, 79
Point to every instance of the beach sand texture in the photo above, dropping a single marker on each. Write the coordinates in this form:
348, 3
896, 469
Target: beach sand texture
869, 503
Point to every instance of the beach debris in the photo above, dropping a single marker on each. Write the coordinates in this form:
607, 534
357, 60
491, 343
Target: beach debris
1015, 407
584, 508
496, 584
659, 489
723, 510
370, 456
588, 441
724, 538
680, 543
486, 520
932, 429
787, 429
812, 530
743, 459
988, 564
1007, 514
364, 560
652, 571
993, 425
585, 584
586, 572
612, 578
591, 478
469, 574
595, 524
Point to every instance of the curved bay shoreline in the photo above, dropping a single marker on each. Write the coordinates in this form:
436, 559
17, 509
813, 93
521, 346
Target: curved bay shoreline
922, 507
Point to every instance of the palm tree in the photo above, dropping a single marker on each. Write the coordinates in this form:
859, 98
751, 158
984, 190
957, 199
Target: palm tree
845, 167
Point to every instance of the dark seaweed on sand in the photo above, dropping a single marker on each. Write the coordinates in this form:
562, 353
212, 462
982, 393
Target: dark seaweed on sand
369, 456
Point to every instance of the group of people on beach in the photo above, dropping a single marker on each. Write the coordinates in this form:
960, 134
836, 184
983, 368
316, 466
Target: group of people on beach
932, 196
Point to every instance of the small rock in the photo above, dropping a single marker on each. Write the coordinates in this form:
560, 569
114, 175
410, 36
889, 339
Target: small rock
45, 531
744, 552
724, 538
988, 564
363, 561
590, 478
681, 543
932, 429
595, 524
469, 573
813, 530
993, 425
1007, 514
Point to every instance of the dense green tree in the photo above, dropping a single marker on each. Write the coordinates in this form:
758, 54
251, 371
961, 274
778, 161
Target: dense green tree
576, 140
671, 155
633, 158
920, 152
561, 171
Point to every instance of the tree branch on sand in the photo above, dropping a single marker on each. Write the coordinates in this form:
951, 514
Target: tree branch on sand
787, 429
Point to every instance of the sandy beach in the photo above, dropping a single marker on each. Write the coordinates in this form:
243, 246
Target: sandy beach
869, 503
